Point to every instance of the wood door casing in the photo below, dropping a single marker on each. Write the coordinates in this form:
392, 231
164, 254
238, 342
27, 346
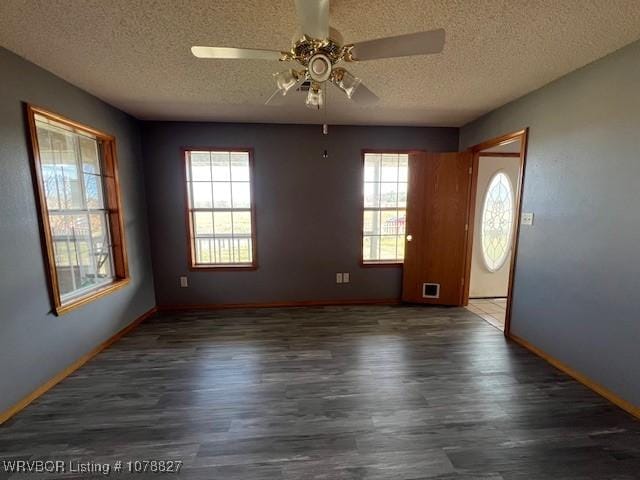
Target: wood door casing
437, 209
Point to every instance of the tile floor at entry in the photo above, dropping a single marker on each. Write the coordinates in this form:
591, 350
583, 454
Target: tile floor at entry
492, 310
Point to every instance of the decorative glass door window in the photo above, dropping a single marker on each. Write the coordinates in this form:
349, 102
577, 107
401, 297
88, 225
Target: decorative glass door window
497, 222
385, 204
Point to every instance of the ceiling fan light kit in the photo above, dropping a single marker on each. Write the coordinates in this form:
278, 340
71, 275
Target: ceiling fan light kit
286, 80
315, 97
320, 48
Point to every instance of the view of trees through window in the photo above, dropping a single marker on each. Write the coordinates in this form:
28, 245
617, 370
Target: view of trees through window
385, 203
220, 207
73, 188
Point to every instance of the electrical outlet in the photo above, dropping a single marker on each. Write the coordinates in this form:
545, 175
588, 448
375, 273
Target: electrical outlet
345, 277
338, 278
184, 282
527, 218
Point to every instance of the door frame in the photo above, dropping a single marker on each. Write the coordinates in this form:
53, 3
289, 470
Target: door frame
523, 135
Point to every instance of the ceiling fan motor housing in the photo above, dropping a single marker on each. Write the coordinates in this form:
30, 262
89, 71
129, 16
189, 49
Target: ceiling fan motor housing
319, 67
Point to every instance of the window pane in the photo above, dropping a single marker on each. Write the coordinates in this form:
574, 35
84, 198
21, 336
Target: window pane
222, 223
388, 194
221, 167
402, 222
243, 250
389, 222
50, 180
371, 222
202, 195
371, 194
89, 154
62, 159
370, 247
202, 223
93, 191
241, 195
224, 250
239, 166
389, 168
388, 247
371, 167
203, 250
101, 244
221, 195
242, 223
402, 195
200, 166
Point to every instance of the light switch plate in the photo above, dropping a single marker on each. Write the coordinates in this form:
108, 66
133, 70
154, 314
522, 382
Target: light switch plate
338, 278
527, 218
184, 282
345, 277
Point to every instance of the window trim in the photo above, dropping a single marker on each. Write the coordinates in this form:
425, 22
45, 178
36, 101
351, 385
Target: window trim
191, 263
376, 263
113, 205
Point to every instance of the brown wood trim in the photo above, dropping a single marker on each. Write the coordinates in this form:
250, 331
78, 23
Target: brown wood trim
498, 141
516, 239
70, 123
112, 200
471, 218
500, 154
476, 149
587, 382
94, 295
188, 220
25, 401
291, 304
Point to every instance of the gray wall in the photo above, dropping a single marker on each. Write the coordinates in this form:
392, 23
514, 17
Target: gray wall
308, 210
34, 344
577, 281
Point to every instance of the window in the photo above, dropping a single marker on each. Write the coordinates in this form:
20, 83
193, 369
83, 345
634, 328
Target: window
385, 203
77, 188
221, 217
497, 222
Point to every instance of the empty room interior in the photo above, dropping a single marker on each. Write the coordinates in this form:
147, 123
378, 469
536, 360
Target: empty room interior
320, 239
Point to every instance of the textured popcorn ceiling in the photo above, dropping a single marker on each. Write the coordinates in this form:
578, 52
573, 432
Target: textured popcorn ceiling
135, 54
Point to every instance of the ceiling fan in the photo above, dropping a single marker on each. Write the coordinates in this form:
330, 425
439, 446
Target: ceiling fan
320, 48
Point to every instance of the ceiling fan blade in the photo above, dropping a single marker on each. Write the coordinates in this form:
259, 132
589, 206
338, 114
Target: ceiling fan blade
419, 43
363, 96
236, 53
313, 17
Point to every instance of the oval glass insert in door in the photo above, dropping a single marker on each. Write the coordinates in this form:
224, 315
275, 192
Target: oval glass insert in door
497, 222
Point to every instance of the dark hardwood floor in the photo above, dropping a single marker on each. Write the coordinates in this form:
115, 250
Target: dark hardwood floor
327, 393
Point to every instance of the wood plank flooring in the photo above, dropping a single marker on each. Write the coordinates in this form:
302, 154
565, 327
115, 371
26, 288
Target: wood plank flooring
327, 393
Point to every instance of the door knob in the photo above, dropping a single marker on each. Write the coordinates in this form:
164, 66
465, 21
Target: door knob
409, 238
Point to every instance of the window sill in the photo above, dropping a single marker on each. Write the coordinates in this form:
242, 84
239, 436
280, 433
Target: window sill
91, 296
228, 267
381, 264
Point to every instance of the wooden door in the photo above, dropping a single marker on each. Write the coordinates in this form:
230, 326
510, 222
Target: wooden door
436, 231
